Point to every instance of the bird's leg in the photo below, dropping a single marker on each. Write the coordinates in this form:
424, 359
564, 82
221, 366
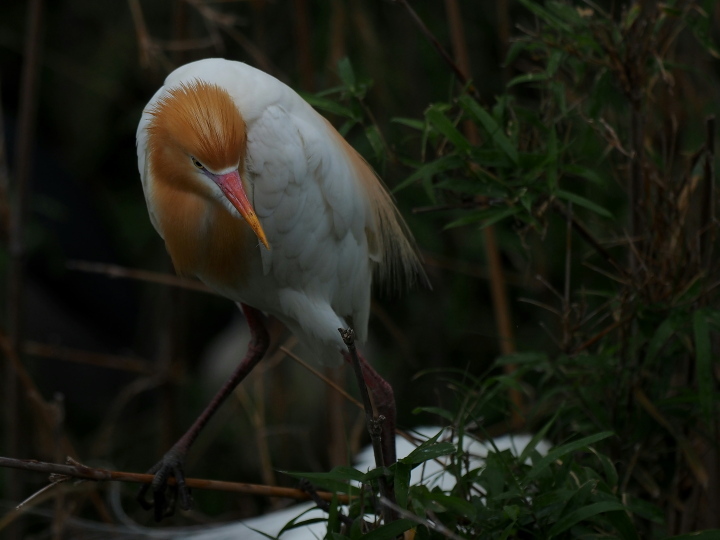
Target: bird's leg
381, 425
172, 462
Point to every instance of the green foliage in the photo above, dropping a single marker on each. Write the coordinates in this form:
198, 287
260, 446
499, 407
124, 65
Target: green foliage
576, 148
570, 492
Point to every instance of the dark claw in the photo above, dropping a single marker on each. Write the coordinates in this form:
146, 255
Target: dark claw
165, 497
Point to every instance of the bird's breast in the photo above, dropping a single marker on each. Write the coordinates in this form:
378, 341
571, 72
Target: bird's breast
204, 239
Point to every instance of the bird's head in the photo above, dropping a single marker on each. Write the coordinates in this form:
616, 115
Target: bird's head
197, 142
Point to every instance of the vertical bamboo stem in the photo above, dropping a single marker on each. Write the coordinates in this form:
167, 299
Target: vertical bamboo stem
16, 244
498, 288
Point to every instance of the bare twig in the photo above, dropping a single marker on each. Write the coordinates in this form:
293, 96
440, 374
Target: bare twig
114, 271
321, 376
459, 73
68, 354
80, 471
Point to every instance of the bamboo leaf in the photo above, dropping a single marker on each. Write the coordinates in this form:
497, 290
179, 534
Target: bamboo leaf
487, 217
703, 364
565, 522
443, 124
390, 531
489, 124
582, 201
561, 451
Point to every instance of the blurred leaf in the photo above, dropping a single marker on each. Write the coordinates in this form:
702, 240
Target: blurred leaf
428, 450
328, 105
567, 521
490, 126
372, 133
409, 122
551, 20
582, 201
710, 534
666, 329
487, 217
436, 410
704, 368
521, 358
442, 123
454, 504
346, 73
390, 531
560, 451
584, 172
430, 169
528, 77
402, 484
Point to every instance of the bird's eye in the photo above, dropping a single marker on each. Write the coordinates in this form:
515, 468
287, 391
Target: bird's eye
197, 163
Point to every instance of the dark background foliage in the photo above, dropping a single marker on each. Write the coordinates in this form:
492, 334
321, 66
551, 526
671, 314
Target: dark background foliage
608, 336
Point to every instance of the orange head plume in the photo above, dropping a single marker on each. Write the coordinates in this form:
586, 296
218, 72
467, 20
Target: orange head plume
197, 128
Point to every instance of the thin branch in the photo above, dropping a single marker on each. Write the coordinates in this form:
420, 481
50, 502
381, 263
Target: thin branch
68, 354
16, 238
80, 471
440, 49
321, 376
114, 271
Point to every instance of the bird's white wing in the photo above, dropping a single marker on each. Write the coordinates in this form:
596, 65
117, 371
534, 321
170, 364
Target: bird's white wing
314, 214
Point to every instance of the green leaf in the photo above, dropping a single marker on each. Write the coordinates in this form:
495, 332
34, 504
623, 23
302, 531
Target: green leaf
489, 124
328, 105
335, 480
431, 169
666, 329
487, 217
372, 133
561, 451
582, 201
536, 439
581, 514
703, 364
710, 534
584, 172
528, 77
402, 484
435, 410
428, 450
455, 505
544, 15
410, 122
346, 73
334, 515
609, 471
391, 530
521, 358
443, 124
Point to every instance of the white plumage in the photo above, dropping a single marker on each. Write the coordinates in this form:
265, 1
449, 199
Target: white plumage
313, 203
259, 197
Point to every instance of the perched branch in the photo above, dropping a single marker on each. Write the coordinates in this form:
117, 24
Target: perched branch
83, 472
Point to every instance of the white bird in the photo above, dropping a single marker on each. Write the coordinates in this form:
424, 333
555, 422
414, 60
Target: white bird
259, 197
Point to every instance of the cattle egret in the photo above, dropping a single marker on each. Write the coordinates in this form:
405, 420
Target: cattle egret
259, 197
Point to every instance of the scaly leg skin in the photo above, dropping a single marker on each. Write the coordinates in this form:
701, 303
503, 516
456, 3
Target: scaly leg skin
171, 463
384, 400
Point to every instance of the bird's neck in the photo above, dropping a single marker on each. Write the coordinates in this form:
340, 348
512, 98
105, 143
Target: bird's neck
202, 237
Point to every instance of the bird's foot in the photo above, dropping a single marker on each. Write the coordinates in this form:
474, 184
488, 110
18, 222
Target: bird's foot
165, 496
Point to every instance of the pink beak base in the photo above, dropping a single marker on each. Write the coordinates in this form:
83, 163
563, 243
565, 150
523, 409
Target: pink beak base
231, 185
